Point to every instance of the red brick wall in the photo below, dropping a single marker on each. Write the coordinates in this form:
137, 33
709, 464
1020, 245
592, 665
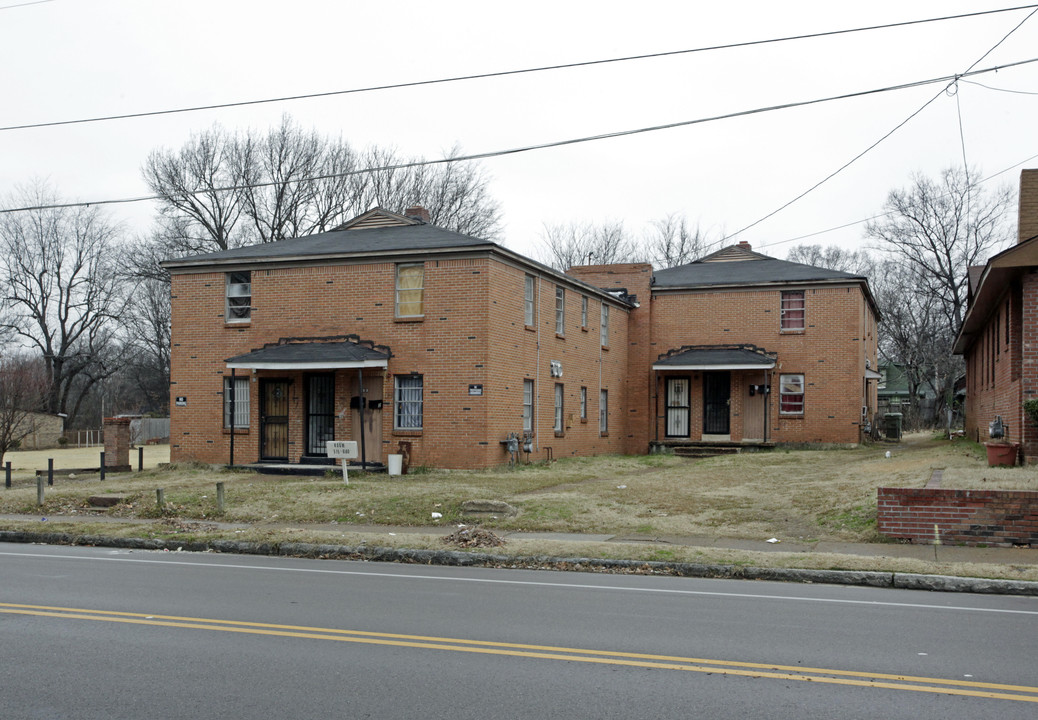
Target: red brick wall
1028, 225
472, 333
637, 386
970, 517
839, 335
1001, 371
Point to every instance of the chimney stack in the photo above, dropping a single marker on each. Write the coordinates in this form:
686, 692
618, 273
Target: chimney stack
744, 245
418, 213
1028, 225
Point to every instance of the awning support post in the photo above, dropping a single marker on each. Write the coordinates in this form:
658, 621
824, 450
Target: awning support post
232, 417
360, 412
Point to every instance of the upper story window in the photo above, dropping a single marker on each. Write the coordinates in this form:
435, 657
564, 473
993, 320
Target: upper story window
793, 310
605, 325
528, 298
239, 296
583, 312
560, 310
410, 286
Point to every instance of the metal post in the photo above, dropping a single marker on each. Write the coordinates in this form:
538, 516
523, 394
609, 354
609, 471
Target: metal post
360, 414
140, 458
50, 471
7, 479
102, 464
39, 489
219, 497
232, 423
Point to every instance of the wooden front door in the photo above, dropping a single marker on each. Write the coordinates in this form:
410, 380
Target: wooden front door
274, 420
717, 396
754, 408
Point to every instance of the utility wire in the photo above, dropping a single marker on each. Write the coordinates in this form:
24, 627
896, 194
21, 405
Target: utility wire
891, 212
25, 4
505, 73
555, 144
997, 89
897, 127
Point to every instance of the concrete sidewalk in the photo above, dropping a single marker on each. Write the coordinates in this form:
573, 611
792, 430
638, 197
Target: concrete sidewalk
944, 553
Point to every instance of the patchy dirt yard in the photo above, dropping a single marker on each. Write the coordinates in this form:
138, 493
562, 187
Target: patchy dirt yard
790, 494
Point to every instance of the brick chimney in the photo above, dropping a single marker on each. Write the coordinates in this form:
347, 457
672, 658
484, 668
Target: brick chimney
744, 245
1028, 205
418, 213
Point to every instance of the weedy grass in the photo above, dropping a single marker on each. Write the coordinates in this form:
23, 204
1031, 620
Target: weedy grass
801, 494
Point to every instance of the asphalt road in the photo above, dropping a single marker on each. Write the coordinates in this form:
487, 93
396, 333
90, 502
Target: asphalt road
102, 633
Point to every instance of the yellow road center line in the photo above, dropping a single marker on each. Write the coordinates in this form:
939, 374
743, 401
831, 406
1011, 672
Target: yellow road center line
720, 667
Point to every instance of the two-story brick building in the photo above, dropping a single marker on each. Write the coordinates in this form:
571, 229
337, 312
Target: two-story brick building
389, 330
999, 334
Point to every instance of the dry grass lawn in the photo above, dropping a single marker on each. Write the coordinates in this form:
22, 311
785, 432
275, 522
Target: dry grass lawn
793, 495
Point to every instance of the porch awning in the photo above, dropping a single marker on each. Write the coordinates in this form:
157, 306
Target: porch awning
716, 358
872, 375
310, 356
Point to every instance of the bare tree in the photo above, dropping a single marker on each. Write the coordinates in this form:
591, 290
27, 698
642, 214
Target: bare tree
671, 242
23, 392
222, 190
146, 349
565, 246
65, 292
915, 337
856, 262
943, 227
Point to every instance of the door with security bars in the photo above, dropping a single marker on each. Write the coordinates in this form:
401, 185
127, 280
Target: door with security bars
717, 400
678, 407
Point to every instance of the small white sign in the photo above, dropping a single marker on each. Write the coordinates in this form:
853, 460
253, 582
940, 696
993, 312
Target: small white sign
345, 449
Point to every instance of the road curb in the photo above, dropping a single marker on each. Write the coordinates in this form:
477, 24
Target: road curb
908, 581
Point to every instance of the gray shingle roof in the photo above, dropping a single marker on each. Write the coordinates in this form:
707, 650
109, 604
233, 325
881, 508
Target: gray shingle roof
336, 354
719, 356
343, 242
745, 272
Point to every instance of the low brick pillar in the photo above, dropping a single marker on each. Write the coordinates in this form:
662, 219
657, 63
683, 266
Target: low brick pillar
968, 517
117, 443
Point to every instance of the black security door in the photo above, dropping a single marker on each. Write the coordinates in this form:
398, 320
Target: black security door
320, 413
717, 393
273, 419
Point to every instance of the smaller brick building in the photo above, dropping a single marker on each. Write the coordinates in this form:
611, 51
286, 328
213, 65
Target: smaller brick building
999, 334
399, 334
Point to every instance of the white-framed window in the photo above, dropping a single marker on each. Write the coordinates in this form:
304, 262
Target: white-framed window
407, 402
239, 296
793, 310
791, 394
528, 405
241, 402
559, 427
529, 296
560, 310
583, 403
410, 289
583, 312
605, 325
603, 411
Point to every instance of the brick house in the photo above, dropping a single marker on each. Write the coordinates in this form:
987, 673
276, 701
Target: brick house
396, 333
999, 334
739, 347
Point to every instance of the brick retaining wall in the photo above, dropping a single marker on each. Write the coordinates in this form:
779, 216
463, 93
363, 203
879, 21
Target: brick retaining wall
969, 517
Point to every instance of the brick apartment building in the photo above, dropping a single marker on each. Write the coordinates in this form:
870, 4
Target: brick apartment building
999, 334
392, 332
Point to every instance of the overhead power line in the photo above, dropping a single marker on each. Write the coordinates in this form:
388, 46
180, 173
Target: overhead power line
554, 144
505, 73
830, 176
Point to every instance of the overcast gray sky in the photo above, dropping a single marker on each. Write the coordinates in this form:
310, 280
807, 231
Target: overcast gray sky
70, 59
